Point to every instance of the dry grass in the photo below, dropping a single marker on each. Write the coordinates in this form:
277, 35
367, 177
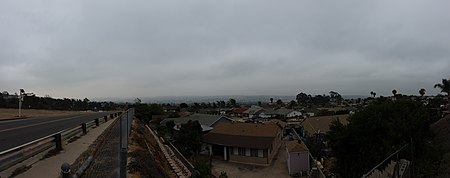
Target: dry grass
32, 113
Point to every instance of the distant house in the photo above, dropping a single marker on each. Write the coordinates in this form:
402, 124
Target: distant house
297, 157
294, 114
169, 108
267, 113
248, 143
310, 112
239, 112
253, 111
288, 113
208, 122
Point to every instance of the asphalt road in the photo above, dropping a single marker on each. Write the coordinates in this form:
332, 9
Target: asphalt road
17, 132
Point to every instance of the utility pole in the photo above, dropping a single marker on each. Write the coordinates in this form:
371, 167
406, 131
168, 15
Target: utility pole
21, 96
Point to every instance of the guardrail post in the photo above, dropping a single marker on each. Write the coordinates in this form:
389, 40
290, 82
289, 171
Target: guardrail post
84, 128
58, 142
97, 122
65, 170
106, 118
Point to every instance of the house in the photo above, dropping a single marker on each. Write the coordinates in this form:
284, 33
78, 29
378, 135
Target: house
310, 112
267, 113
321, 125
208, 122
253, 111
239, 112
294, 114
297, 157
248, 143
288, 113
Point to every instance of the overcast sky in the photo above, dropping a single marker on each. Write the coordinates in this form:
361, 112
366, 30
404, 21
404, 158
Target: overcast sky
136, 48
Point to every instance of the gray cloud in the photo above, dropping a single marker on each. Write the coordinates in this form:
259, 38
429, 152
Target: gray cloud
154, 48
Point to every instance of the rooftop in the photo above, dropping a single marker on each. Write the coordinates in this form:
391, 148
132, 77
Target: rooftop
203, 119
322, 124
247, 135
295, 146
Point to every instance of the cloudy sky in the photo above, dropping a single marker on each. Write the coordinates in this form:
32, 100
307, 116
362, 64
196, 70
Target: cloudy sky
136, 48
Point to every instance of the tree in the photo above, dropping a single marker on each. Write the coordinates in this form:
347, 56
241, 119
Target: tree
292, 104
394, 92
445, 88
422, 92
170, 124
303, 98
280, 103
375, 132
232, 102
189, 138
335, 97
184, 105
271, 100
373, 94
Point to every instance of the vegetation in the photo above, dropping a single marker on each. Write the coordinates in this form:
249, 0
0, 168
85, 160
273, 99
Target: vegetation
202, 169
377, 131
445, 88
146, 111
189, 138
308, 100
32, 101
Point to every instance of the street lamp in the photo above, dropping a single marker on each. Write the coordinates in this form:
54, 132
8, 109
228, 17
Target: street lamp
21, 96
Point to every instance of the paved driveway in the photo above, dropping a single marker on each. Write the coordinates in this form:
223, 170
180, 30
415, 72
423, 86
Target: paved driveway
277, 169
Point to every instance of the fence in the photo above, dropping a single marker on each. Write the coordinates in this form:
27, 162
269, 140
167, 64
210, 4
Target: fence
125, 130
13, 156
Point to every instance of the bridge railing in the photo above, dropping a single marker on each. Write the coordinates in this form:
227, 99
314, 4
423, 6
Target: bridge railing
55, 141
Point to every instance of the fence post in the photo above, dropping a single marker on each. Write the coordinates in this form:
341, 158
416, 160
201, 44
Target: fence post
83, 127
105, 118
111, 116
123, 163
97, 122
58, 142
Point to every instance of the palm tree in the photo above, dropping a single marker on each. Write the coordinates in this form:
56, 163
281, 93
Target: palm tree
394, 91
373, 94
445, 88
422, 92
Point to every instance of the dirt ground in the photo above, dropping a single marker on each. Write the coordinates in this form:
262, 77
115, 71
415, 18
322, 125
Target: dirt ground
145, 157
32, 113
277, 169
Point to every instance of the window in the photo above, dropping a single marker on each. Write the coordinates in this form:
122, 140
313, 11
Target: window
241, 151
247, 152
253, 152
260, 153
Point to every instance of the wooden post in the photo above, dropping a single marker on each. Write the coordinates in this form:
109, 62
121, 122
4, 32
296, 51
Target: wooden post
58, 142
97, 121
84, 128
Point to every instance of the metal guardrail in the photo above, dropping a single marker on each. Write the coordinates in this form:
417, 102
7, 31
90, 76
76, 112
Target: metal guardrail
13, 156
